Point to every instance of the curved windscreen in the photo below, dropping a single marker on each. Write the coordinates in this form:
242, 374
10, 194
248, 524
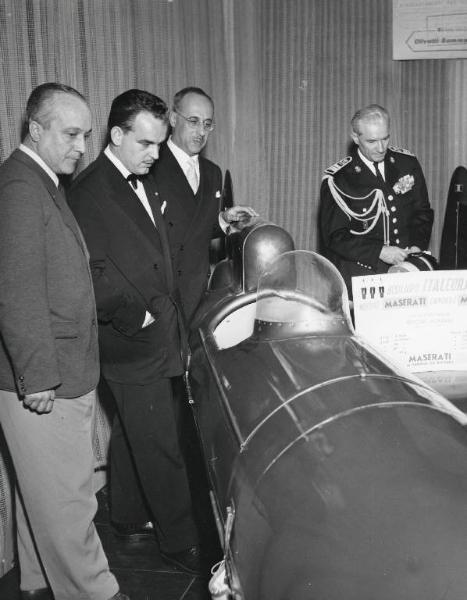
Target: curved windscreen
301, 293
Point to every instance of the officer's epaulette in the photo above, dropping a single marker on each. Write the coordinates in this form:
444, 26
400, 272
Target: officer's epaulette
333, 169
401, 150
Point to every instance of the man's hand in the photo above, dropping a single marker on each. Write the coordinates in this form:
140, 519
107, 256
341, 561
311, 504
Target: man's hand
40, 402
239, 217
393, 255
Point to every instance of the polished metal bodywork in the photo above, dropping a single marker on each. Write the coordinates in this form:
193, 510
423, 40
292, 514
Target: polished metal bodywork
335, 475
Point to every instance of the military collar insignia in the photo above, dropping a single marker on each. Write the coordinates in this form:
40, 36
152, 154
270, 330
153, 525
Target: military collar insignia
401, 150
333, 169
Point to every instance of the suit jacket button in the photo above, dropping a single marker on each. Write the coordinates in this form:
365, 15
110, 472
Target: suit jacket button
179, 272
390, 197
155, 266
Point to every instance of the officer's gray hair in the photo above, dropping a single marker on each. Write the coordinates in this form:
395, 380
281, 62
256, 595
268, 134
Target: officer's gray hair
372, 112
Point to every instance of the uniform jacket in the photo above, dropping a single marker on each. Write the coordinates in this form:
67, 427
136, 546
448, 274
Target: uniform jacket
191, 222
410, 216
48, 328
132, 274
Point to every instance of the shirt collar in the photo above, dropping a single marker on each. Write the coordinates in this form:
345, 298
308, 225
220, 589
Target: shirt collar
117, 162
36, 158
369, 164
182, 157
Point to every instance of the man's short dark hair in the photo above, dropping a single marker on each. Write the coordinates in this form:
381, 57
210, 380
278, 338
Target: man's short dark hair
128, 105
189, 90
38, 108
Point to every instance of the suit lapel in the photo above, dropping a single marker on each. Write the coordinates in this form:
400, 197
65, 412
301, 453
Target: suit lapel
154, 202
364, 176
392, 173
174, 187
203, 200
202, 184
128, 202
57, 195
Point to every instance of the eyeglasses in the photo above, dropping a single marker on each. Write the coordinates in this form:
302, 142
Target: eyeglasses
194, 122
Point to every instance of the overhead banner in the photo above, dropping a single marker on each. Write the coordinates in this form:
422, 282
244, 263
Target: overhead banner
418, 319
429, 29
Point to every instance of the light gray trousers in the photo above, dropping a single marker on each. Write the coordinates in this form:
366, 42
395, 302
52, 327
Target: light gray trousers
53, 458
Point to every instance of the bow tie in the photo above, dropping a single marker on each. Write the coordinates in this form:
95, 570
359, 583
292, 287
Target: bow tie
133, 179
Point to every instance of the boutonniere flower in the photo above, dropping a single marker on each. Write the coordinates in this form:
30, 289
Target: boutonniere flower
218, 194
404, 184
357, 169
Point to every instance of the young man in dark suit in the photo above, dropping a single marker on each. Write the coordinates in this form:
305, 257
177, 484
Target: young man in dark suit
49, 364
374, 203
140, 327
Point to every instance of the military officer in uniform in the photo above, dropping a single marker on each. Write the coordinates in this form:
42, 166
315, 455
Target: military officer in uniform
374, 206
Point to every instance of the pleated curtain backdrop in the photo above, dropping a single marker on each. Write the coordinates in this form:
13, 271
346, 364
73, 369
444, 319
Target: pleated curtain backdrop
286, 76
324, 59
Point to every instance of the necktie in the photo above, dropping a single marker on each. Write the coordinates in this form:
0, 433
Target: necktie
379, 177
192, 175
61, 189
133, 179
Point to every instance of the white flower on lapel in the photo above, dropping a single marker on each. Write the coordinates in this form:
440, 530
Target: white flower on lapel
218, 194
404, 184
163, 206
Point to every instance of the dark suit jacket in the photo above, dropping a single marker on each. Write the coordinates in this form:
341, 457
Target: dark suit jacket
132, 274
47, 312
410, 215
191, 222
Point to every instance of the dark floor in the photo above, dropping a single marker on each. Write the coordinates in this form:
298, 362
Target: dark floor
137, 566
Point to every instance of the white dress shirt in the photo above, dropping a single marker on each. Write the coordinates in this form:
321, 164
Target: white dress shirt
186, 162
141, 193
40, 162
371, 166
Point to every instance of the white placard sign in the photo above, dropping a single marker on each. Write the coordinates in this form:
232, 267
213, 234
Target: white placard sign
418, 319
429, 29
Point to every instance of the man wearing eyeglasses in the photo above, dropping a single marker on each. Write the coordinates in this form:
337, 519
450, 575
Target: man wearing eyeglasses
190, 190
